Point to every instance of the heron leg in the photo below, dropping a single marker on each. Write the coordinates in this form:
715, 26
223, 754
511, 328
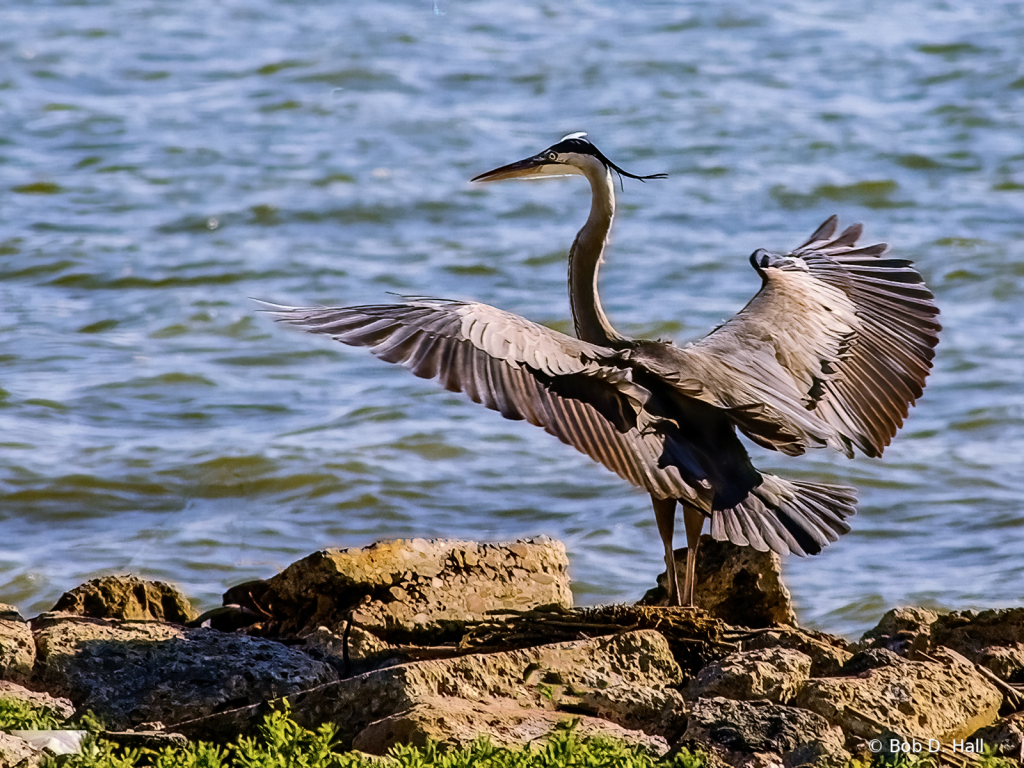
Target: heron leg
665, 514
693, 519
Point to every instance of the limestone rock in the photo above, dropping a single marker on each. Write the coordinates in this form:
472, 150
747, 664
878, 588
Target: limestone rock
901, 630
828, 653
994, 639
738, 585
661, 712
127, 597
749, 728
456, 723
17, 648
408, 590
522, 676
61, 708
15, 752
134, 672
1005, 736
771, 674
914, 699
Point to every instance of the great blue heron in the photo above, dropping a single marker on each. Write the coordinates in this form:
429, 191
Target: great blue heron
830, 352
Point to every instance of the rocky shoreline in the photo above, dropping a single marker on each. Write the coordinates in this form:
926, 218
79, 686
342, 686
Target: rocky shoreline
406, 641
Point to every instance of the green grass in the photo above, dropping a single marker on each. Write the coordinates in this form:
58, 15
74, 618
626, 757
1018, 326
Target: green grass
16, 715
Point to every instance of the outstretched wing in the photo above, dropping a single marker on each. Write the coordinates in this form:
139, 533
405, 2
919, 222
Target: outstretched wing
572, 389
833, 349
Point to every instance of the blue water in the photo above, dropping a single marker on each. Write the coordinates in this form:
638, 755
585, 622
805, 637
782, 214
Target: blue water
161, 163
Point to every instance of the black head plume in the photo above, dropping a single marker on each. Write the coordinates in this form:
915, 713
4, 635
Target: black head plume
578, 142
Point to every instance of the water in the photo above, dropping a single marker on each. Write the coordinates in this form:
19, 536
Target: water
161, 163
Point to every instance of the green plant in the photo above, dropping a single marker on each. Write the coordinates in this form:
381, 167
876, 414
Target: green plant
17, 715
283, 743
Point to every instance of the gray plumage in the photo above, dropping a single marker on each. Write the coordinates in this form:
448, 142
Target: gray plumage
831, 351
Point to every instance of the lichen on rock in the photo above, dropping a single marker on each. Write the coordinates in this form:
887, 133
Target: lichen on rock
127, 597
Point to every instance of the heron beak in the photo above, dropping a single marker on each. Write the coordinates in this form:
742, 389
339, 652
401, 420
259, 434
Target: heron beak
530, 167
536, 167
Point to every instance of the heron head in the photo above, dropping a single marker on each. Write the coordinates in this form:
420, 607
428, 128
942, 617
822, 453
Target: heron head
573, 154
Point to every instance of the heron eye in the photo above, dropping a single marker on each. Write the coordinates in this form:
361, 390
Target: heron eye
552, 155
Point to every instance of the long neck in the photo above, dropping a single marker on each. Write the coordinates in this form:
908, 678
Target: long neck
585, 259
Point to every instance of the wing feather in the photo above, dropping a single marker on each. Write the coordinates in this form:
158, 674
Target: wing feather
833, 349
518, 368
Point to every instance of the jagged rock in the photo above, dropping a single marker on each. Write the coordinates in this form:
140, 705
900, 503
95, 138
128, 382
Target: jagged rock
127, 597
1005, 736
134, 672
994, 639
660, 712
61, 708
828, 653
456, 723
738, 585
17, 648
901, 630
771, 674
408, 590
15, 752
523, 676
766, 732
914, 699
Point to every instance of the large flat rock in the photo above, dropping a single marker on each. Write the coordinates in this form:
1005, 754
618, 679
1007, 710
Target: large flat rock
457, 723
417, 590
134, 672
524, 677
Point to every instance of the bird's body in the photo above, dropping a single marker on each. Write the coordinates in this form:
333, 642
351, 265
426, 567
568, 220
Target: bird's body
831, 352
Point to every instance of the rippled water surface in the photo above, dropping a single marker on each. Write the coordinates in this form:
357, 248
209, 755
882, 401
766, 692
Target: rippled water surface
162, 162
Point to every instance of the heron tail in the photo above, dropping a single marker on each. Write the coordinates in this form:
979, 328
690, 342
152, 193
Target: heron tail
787, 516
